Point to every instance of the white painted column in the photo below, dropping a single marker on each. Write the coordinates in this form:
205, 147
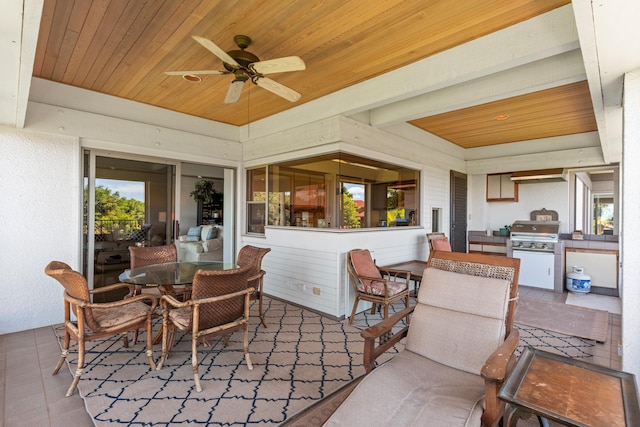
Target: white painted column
630, 230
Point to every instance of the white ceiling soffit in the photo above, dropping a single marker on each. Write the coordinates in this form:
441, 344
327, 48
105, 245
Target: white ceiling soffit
20, 22
608, 31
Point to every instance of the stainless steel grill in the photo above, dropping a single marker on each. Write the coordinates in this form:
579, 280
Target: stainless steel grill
540, 236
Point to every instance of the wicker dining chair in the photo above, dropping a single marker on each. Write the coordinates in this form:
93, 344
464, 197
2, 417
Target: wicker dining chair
142, 256
219, 305
97, 320
251, 256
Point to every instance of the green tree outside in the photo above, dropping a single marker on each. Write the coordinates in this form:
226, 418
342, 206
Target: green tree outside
349, 210
114, 213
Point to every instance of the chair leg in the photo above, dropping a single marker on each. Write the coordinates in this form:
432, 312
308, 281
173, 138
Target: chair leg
165, 340
64, 353
386, 310
247, 358
79, 368
152, 363
260, 313
194, 362
406, 304
353, 311
125, 339
373, 307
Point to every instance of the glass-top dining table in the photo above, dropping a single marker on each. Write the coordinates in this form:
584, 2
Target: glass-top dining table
170, 274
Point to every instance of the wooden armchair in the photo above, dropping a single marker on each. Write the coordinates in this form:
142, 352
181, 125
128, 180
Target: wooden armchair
370, 283
251, 257
438, 242
97, 320
219, 305
459, 349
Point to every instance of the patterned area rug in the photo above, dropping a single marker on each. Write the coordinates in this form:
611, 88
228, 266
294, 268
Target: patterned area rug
299, 359
565, 319
551, 341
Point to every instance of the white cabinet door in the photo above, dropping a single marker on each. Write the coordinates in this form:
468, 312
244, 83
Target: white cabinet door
536, 269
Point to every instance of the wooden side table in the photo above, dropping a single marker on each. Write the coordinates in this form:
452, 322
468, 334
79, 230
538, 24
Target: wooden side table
570, 391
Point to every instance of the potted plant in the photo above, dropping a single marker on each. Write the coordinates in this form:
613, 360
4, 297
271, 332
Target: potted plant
203, 191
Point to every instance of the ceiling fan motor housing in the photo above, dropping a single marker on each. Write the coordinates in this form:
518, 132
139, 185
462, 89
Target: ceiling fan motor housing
241, 56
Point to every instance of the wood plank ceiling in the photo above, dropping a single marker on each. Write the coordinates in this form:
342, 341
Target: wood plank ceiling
123, 47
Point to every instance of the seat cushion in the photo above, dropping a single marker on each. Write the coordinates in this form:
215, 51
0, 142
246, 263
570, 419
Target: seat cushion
459, 319
377, 288
110, 317
411, 390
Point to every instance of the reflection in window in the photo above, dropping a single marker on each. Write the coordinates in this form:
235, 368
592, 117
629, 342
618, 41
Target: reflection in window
334, 191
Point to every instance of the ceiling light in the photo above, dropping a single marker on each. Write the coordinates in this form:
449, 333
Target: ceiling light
192, 78
501, 117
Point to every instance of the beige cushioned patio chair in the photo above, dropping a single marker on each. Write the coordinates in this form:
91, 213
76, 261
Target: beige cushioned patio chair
219, 305
251, 256
459, 349
97, 320
370, 283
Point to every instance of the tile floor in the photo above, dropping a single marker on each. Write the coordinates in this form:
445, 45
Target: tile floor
31, 396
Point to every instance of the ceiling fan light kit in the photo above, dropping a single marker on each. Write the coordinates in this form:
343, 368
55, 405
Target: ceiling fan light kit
244, 65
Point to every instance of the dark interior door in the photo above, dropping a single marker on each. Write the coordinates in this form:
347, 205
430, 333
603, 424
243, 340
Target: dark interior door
458, 232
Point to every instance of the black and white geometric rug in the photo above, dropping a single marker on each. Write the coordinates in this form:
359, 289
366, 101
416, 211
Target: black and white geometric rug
299, 359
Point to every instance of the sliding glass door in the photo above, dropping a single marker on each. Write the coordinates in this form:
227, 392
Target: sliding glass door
132, 200
126, 202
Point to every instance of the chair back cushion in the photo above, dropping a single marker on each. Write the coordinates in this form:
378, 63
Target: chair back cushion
441, 244
363, 265
459, 319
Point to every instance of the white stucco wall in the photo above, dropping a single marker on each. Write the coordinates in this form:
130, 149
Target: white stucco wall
40, 217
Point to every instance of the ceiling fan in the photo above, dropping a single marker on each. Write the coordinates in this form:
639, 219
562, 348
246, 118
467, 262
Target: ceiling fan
244, 65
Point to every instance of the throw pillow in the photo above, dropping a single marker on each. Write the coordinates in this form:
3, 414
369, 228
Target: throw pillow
212, 233
193, 235
141, 234
441, 244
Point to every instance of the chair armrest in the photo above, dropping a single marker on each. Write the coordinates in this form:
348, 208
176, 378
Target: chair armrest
496, 366
86, 304
211, 245
392, 272
224, 297
112, 287
386, 338
495, 370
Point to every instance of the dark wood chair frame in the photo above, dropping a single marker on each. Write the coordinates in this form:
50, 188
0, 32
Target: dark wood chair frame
380, 337
387, 275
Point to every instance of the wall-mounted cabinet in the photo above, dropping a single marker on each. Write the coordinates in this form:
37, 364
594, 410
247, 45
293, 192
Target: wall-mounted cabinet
500, 188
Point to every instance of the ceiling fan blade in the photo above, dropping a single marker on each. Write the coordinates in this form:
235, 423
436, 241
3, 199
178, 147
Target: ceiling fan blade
186, 73
279, 65
213, 48
234, 92
278, 89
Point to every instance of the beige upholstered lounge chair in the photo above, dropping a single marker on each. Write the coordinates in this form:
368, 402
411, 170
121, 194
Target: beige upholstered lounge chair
375, 285
97, 320
459, 349
219, 305
251, 256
